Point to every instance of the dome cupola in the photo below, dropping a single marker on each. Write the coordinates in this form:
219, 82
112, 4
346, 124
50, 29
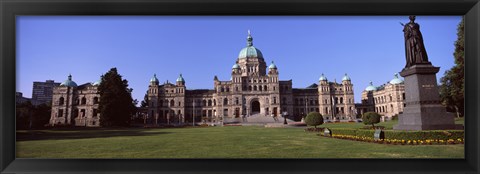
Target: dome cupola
69, 82
371, 87
345, 77
272, 66
236, 66
180, 78
97, 83
396, 80
154, 79
250, 51
322, 78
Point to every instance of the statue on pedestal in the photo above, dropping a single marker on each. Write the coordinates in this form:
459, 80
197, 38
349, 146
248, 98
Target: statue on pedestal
414, 48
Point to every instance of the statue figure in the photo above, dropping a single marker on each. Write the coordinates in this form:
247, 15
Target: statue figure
415, 52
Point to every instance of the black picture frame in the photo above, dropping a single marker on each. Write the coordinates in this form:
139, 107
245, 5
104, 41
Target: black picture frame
11, 8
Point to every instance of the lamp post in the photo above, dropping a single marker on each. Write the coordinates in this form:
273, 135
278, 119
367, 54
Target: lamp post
193, 122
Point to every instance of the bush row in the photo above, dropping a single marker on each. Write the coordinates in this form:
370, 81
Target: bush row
404, 135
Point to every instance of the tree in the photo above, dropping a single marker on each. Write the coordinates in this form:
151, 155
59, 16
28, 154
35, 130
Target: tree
30, 116
371, 118
116, 105
452, 88
145, 101
314, 119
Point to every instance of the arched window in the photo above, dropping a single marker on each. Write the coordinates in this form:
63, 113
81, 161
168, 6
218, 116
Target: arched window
222, 89
209, 102
341, 99
61, 101
274, 100
228, 89
265, 87
95, 100
84, 100
204, 103
225, 101
254, 88
172, 103
214, 102
249, 88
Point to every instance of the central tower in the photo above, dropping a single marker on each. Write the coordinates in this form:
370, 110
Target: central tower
250, 60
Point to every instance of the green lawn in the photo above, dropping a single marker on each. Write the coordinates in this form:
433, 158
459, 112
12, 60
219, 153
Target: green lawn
214, 142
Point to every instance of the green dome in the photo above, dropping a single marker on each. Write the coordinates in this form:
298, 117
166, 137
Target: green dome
322, 78
272, 66
97, 82
180, 79
371, 87
69, 82
250, 51
346, 78
236, 66
154, 79
396, 80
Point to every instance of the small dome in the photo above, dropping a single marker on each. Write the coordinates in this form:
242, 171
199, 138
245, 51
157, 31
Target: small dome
69, 82
371, 87
180, 78
396, 80
97, 83
322, 78
250, 51
346, 78
272, 66
236, 66
154, 79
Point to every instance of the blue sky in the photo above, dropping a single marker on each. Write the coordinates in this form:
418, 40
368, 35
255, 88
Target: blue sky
367, 48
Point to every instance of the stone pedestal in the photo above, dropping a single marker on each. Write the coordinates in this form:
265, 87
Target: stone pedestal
423, 110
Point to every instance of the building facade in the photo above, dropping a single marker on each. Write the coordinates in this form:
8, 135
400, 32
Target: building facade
75, 105
388, 99
42, 92
253, 90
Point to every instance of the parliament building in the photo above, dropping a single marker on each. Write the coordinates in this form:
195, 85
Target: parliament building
254, 90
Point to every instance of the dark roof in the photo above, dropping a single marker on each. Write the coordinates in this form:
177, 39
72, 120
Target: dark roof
199, 91
83, 86
304, 90
314, 85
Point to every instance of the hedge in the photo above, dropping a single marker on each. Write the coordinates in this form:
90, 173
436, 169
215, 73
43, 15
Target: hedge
404, 135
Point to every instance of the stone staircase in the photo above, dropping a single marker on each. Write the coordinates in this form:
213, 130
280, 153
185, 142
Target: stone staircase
256, 119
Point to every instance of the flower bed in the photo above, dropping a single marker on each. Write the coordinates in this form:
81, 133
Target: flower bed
434, 137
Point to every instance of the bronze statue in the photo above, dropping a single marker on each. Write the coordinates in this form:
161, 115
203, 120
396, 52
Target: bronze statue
415, 52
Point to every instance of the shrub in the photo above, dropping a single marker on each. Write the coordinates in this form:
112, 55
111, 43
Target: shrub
314, 119
371, 118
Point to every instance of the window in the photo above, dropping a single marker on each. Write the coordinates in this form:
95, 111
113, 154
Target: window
84, 101
236, 100
60, 113
209, 102
95, 100
61, 101
225, 101
172, 103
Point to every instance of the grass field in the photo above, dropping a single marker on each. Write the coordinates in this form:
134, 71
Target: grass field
214, 142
